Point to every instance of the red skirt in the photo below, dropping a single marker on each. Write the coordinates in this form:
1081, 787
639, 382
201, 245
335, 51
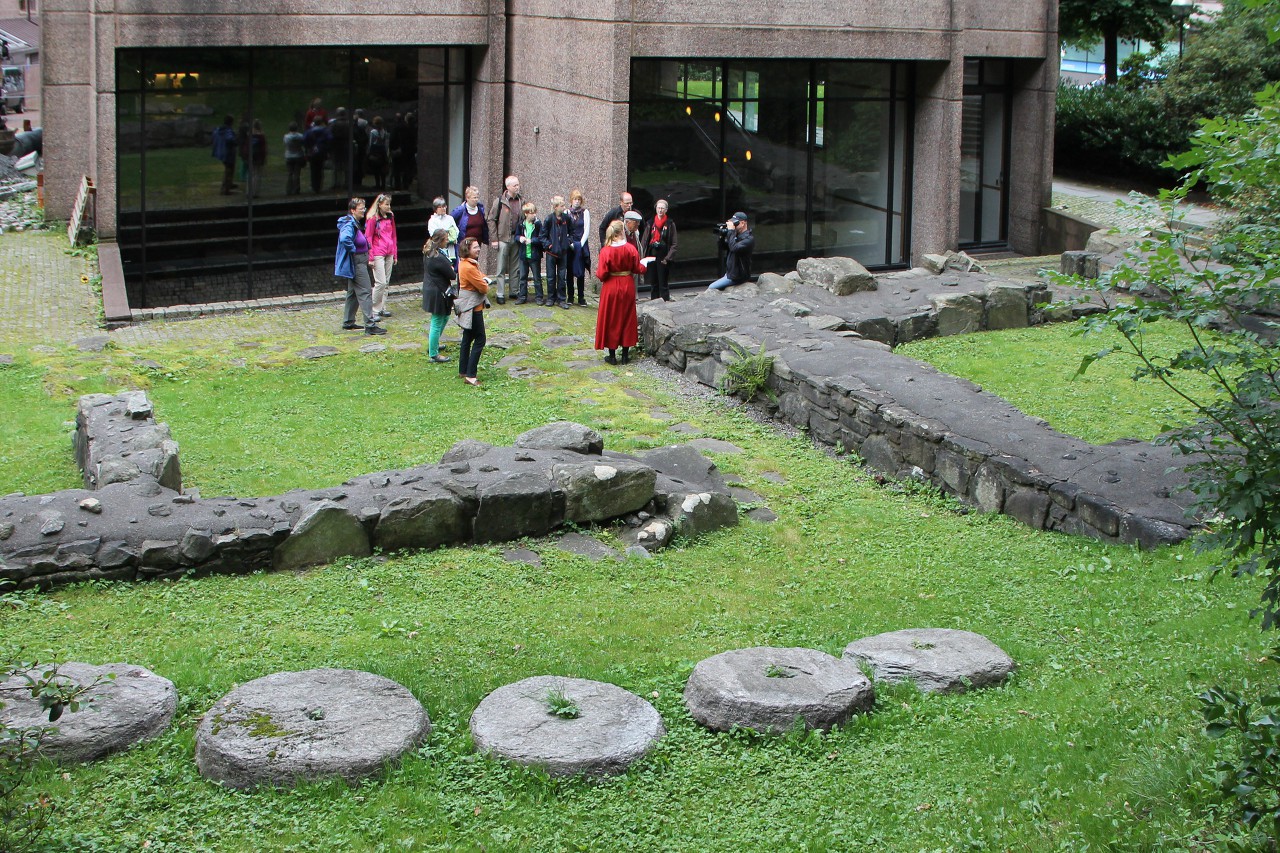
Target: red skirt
616, 324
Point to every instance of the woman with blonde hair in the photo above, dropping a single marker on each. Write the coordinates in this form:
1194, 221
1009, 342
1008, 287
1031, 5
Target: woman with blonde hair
437, 272
380, 231
469, 309
619, 263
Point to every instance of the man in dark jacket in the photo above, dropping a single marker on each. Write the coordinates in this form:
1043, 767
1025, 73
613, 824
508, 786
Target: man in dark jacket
735, 236
625, 203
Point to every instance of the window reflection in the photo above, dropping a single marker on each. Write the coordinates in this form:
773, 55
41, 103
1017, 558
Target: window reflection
815, 151
298, 141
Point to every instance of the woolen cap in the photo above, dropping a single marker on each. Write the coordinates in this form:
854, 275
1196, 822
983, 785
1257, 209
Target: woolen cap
631, 214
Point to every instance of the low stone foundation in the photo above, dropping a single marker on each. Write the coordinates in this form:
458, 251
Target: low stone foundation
136, 524
835, 375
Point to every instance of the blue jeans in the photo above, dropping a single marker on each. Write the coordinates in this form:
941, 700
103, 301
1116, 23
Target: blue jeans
557, 279
530, 267
721, 283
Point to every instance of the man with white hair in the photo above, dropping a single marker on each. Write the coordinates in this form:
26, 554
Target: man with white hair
504, 225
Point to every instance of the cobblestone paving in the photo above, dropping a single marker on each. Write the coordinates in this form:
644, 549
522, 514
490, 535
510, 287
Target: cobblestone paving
1104, 213
42, 296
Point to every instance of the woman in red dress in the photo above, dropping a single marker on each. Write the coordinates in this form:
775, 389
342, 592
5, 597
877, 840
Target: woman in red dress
618, 265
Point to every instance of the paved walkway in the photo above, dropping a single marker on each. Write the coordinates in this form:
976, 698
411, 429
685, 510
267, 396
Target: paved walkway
1097, 203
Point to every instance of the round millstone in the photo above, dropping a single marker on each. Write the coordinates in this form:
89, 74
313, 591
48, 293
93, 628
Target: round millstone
612, 729
136, 705
768, 689
938, 660
288, 726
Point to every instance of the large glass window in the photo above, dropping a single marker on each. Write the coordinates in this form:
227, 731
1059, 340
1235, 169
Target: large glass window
815, 152
258, 220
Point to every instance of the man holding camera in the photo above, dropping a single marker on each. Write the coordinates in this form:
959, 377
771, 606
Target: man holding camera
735, 236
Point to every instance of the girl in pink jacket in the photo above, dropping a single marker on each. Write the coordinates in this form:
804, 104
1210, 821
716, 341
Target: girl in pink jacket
380, 231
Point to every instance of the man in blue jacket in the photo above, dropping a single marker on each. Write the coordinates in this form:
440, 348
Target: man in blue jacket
352, 263
224, 151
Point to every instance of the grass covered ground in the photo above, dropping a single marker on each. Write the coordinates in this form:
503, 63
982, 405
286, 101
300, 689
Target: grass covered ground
1095, 744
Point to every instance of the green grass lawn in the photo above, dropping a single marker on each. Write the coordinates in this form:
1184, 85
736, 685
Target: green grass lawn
1035, 369
1096, 742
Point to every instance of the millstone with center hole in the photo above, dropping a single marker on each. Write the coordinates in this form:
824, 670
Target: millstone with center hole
612, 727
305, 725
136, 705
938, 660
770, 689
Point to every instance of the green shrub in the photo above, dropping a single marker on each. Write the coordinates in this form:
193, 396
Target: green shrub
1222, 67
1117, 131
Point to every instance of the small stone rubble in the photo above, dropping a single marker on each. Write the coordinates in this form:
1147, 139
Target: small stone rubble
835, 375
134, 705
606, 731
137, 524
292, 726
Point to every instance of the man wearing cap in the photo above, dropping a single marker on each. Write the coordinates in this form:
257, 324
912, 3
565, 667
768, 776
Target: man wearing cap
735, 236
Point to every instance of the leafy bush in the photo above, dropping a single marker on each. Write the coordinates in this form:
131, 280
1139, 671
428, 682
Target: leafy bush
1220, 69
1116, 130
1222, 293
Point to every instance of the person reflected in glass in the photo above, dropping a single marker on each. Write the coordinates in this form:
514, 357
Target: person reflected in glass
316, 111
224, 151
257, 157
437, 274
468, 309
376, 159
380, 231
316, 141
659, 240
619, 264
295, 155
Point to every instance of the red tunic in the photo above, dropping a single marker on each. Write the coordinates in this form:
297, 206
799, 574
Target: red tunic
616, 324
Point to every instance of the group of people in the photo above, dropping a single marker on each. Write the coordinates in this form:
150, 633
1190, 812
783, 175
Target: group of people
526, 244
371, 147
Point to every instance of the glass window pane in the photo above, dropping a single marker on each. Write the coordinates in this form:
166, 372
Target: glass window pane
853, 174
192, 69
305, 67
128, 70
857, 80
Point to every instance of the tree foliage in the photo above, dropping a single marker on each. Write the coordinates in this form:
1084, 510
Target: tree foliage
1087, 21
1227, 294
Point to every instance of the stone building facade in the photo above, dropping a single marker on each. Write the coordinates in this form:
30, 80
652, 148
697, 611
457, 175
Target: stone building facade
879, 131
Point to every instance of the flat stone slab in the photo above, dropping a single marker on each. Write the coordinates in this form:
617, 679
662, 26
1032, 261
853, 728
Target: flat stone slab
522, 555
308, 725
938, 660
714, 445
317, 352
135, 706
613, 728
769, 689
586, 546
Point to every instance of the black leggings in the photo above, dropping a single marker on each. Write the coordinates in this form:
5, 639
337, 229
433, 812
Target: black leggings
472, 345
